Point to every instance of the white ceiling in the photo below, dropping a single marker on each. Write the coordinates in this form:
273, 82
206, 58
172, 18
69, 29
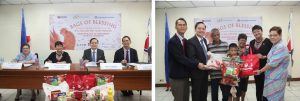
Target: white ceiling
219, 3
17, 2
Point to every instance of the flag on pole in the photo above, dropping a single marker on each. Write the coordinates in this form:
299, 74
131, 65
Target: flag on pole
289, 44
167, 37
146, 45
24, 38
147, 41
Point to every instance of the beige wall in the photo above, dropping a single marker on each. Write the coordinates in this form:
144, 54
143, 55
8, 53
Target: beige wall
134, 17
271, 16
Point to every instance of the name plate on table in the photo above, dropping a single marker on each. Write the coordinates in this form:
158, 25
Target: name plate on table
111, 66
91, 64
12, 66
144, 66
56, 66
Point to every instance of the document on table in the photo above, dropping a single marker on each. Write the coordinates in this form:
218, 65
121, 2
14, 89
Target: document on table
11, 65
56, 66
111, 66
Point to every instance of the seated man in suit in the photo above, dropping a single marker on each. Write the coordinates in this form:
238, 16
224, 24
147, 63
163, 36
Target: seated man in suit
94, 54
126, 55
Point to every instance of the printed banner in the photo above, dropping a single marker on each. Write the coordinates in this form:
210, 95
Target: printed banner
230, 27
76, 30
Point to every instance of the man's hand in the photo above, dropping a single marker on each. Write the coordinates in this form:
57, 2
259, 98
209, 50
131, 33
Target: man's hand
124, 61
209, 55
100, 61
201, 66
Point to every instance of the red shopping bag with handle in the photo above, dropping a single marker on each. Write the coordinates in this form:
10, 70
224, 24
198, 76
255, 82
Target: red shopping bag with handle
251, 64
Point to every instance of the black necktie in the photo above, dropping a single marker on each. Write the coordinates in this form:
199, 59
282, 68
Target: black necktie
127, 56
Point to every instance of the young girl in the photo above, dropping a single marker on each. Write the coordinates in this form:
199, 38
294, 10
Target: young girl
243, 51
230, 72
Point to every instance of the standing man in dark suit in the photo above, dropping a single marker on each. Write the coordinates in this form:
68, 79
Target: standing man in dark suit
126, 55
179, 63
94, 54
197, 50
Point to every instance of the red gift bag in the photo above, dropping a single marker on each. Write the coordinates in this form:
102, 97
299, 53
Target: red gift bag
89, 81
80, 83
74, 81
251, 64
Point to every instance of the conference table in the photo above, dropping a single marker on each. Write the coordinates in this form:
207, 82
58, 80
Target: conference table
32, 77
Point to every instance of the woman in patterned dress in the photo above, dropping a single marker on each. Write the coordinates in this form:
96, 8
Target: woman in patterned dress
276, 71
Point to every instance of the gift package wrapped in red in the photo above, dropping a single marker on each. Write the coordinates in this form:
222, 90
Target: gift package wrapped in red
89, 87
55, 80
89, 81
79, 83
103, 79
230, 71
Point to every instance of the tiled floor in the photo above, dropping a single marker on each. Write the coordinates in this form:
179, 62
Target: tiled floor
9, 95
292, 93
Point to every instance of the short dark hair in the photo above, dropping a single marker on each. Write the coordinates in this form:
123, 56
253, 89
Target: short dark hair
277, 29
242, 36
180, 19
199, 23
126, 37
255, 27
58, 43
233, 45
26, 45
93, 39
213, 31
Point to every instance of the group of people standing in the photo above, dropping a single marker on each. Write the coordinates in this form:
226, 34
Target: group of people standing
124, 55
188, 62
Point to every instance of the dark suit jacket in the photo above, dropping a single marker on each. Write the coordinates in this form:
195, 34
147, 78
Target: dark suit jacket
65, 57
179, 63
87, 55
119, 56
195, 52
